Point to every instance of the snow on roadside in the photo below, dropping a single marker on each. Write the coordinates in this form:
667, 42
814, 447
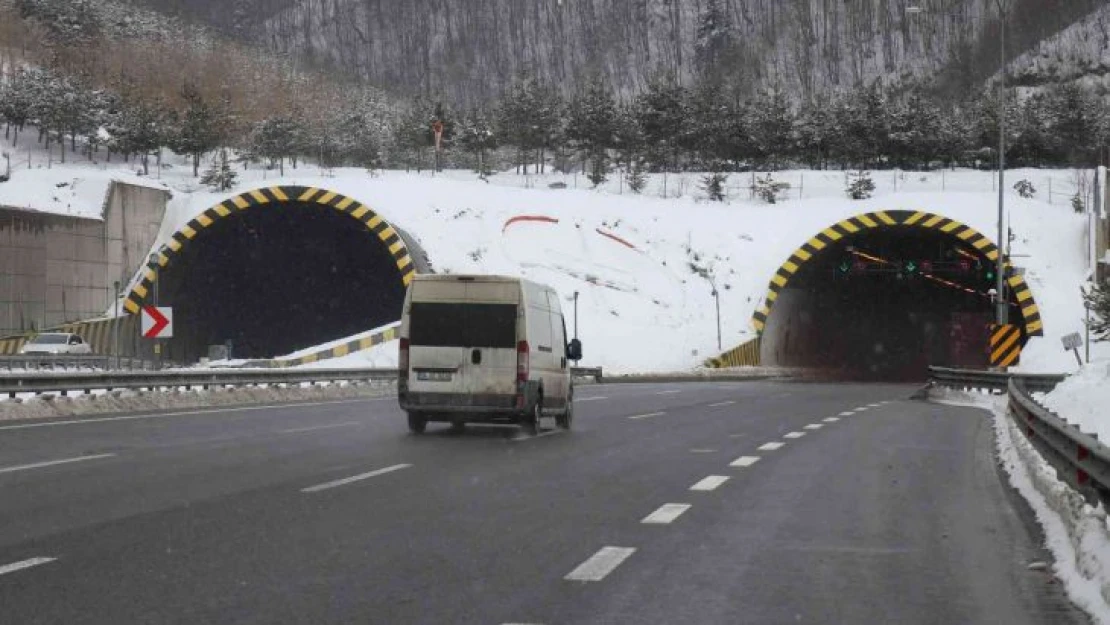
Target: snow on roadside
1083, 399
1076, 533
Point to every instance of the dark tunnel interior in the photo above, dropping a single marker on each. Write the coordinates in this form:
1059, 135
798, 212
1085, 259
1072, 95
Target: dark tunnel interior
885, 304
275, 279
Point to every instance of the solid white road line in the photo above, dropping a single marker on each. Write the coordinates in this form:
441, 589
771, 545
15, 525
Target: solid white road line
50, 463
319, 427
794, 435
722, 403
709, 483
831, 419
183, 413
813, 426
666, 513
770, 446
667, 392
24, 564
648, 415
601, 564
354, 478
746, 461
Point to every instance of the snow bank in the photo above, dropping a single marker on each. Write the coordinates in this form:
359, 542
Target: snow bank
76, 192
1084, 399
1076, 533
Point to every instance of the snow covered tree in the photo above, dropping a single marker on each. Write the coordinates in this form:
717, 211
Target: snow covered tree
771, 122
637, 179
816, 134
860, 185
628, 140
1097, 299
662, 114
220, 176
16, 103
140, 128
276, 139
476, 135
714, 186
591, 125
529, 118
708, 127
714, 44
199, 126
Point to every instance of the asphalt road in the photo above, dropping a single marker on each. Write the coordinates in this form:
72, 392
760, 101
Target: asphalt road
333, 513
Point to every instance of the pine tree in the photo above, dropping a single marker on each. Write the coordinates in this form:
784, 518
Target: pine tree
662, 115
220, 176
772, 123
198, 127
15, 103
714, 186
140, 128
637, 179
276, 139
1098, 300
476, 136
591, 125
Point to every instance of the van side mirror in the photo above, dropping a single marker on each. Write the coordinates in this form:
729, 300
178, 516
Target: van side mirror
574, 350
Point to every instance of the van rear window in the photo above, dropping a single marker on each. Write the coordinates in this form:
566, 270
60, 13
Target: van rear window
463, 325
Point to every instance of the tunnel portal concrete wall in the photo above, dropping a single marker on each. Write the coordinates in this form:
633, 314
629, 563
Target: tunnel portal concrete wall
57, 269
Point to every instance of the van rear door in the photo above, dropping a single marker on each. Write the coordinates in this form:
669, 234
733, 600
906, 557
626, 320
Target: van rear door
463, 347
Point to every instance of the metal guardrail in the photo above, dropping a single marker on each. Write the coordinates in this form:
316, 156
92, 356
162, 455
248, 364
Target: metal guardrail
1079, 458
66, 383
63, 362
977, 379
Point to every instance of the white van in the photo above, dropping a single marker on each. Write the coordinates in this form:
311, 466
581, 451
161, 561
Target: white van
484, 349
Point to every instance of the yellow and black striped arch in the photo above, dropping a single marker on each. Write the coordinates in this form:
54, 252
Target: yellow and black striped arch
891, 219
271, 198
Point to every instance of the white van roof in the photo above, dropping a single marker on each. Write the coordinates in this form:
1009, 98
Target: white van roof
453, 277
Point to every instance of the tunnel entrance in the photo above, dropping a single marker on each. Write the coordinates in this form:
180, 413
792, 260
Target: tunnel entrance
885, 303
275, 279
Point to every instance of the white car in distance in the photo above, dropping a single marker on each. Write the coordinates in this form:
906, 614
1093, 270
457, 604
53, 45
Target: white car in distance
56, 343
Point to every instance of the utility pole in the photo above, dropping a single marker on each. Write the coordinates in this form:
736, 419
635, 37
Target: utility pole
115, 325
1003, 303
157, 342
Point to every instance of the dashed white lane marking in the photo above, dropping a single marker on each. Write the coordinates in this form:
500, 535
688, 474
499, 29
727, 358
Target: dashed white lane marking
847, 413
709, 483
874, 405
831, 419
794, 435
354, 478
589, 398
702, 450
666, 513
672, 392
51, 463
722, 403
183, 413
520, 438
770, 446
861, 409
813, 426
23, 564
320, 427
601, 564
648, 415
747, 461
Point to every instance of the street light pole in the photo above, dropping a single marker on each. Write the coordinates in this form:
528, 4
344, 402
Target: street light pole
1002, 312
157, 342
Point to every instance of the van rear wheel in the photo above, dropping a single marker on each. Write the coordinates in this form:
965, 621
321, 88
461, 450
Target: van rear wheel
531, 422
417, 423
564, 420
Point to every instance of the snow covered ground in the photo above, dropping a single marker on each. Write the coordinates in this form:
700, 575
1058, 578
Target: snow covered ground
1084, 399
642, 264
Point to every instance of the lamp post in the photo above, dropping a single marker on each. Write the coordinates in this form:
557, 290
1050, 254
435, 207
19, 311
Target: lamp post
1002, 306
153, 261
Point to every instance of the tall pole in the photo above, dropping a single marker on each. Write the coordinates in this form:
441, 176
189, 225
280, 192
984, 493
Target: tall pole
115, 325
717, 298
1003, 303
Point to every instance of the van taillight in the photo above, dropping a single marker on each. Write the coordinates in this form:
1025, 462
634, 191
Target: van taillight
522, 362
403, 359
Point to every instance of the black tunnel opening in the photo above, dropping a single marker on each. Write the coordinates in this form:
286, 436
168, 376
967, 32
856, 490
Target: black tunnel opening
885, 304
275, 279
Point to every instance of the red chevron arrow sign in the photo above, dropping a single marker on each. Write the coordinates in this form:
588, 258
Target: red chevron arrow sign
157, 322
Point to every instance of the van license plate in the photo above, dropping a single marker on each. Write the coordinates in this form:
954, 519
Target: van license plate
433, 376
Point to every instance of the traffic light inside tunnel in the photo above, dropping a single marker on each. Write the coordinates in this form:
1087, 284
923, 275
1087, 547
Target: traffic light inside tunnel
886, 304
275, 279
